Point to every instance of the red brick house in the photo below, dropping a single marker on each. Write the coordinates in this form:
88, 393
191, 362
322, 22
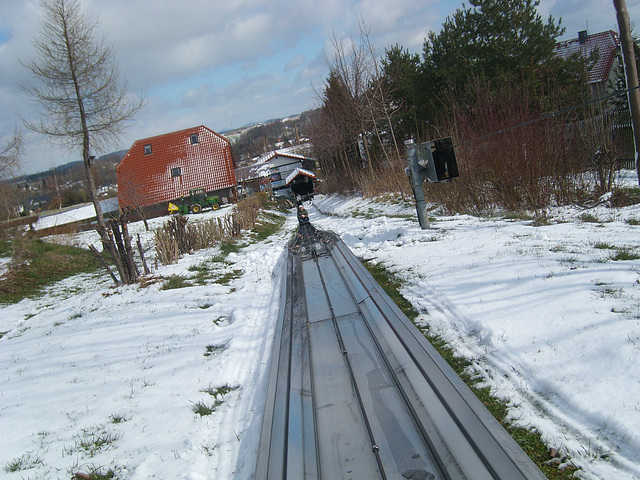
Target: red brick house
159, 169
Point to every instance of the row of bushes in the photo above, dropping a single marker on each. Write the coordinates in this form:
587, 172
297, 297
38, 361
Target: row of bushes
510, 157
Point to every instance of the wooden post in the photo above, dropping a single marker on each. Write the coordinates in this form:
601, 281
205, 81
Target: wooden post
631, 71
134, 273
144, 261
104, 264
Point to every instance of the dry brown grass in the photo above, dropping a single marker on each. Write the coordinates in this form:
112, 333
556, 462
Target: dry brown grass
177, 237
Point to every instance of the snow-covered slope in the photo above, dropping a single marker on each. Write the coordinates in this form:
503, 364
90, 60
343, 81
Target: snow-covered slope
96, 376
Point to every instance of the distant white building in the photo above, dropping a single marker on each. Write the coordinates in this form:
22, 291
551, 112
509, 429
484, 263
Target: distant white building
272, 171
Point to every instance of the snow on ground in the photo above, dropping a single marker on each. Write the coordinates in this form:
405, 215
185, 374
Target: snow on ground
548, 316
92, 375
74, 214
68, 216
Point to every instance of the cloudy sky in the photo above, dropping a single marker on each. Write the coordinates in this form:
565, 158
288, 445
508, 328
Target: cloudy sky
227, 64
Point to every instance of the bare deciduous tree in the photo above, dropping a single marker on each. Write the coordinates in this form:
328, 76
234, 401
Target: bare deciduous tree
9, 165
10, 155
353, 135
85, 104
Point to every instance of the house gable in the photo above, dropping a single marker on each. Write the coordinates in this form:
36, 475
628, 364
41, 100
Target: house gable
274, 170
165, 167
607, 43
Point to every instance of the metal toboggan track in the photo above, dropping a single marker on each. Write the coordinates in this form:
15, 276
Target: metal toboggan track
356, 392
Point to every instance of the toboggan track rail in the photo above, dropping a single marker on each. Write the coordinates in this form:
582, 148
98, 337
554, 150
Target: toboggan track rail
356, 392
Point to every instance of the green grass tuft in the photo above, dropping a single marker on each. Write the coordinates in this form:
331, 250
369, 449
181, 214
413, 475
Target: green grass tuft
268, 224
625, 253
94, 473
5, 249
176, 281
589, 218
93, 440
116, 419
203, 272
226, 278
24, 462
229, 247
204, 409
213, 349
603, 246
219, 391
392, 286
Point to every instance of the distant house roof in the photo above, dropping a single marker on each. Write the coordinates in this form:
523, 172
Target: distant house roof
291, 155
607, 44
296, 173
276, 154
252, 172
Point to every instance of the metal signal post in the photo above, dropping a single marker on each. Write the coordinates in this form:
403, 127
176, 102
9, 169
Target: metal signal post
434, 161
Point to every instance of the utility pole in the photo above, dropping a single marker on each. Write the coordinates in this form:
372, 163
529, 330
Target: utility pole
626, 41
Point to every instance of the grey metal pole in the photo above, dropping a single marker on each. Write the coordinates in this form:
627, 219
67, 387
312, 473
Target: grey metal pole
413, 172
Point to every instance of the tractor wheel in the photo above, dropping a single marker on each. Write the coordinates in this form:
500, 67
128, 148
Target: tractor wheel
215, 206
196, 208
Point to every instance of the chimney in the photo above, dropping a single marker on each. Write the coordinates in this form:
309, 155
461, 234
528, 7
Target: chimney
582, 37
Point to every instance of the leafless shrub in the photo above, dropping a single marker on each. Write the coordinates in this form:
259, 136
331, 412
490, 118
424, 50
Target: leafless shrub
387, 177
19, 249
352, 134
171, 240
594, 140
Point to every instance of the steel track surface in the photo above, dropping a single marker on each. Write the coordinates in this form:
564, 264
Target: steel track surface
356, 392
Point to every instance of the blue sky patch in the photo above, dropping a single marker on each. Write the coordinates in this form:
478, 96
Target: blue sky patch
5, 35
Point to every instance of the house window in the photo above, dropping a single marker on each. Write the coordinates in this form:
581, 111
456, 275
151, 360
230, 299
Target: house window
175, 172
147, 149
194, 138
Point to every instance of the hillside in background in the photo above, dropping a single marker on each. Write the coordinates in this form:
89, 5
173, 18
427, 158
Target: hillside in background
254, 140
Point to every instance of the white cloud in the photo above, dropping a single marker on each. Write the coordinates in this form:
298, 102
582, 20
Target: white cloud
594, 16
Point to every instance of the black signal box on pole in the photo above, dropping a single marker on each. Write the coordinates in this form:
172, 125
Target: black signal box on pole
444, 159
434, 161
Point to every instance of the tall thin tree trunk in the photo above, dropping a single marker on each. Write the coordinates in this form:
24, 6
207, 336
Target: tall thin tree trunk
626, 41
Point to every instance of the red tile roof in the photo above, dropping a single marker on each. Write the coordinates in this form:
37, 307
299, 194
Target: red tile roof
148, 179
607, 44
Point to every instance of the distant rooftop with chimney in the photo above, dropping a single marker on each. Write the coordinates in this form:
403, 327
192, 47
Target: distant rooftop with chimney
607, 43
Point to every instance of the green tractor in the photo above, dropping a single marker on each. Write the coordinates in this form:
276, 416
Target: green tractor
195, 202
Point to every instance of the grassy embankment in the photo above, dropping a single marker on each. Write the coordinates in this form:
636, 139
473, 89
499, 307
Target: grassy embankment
36, 264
